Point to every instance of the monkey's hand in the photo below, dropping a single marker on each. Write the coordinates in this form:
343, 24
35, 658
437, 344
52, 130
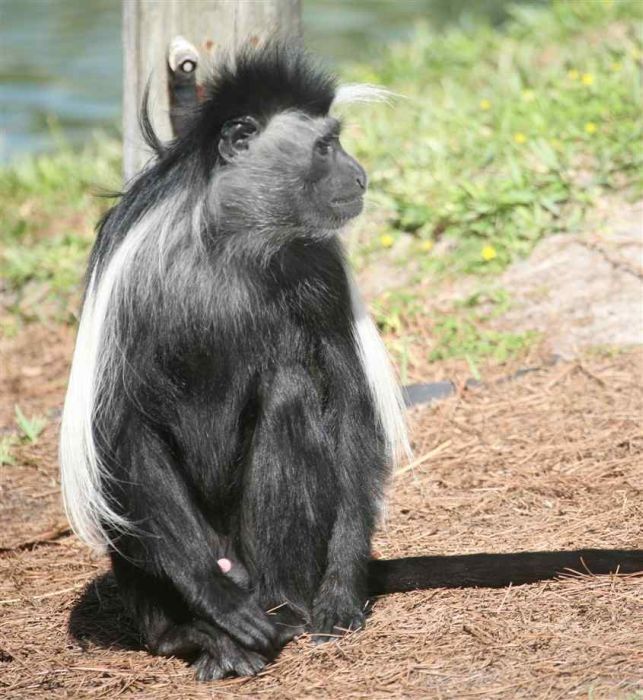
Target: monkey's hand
227, 658
336, 611
235, 612
248, 624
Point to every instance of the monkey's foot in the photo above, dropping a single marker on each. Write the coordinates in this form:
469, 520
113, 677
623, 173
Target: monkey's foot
214, 653
335, 616
229, 659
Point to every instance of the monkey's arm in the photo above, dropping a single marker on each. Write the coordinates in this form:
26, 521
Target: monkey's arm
172, 541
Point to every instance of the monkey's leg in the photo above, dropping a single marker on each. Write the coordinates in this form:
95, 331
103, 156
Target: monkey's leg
360, 465
289, 500
168, 630
172, 541
340, 602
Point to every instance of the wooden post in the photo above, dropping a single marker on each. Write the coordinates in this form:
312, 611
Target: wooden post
148, 28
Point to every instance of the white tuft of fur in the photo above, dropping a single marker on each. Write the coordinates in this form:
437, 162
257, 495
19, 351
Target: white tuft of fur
362, 92
385, 389
93, 363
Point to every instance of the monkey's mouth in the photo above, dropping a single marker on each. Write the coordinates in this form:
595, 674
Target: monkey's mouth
346, 200
347, 207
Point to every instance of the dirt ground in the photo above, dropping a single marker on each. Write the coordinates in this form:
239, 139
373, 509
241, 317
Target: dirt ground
550, 461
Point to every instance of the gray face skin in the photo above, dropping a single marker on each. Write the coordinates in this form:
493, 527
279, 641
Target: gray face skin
336, 181
293, 172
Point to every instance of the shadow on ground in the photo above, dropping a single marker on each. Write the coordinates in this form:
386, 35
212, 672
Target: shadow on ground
99, 617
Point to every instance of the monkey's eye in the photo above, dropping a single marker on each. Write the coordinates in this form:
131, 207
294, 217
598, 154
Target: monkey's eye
323, 147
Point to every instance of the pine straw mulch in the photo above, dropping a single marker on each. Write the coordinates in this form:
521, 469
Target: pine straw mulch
33, 376
553, 460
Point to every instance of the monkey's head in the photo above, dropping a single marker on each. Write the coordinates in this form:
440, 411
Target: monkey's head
266, 140
293, 164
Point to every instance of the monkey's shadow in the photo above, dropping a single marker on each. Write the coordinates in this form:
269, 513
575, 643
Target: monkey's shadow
99, 617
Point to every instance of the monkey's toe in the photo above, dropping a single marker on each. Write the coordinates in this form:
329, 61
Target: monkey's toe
330, 625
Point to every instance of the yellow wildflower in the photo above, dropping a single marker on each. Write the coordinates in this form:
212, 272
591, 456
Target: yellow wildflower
426, 246
616, 66
573, 74
528, 95
587, 79
386, 241
485, 105
591, 128
519, 137
488, 253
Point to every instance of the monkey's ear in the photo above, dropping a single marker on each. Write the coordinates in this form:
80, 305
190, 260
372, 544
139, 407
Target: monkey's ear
236, 134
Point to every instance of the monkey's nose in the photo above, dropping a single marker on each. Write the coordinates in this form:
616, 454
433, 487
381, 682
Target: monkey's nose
361, 180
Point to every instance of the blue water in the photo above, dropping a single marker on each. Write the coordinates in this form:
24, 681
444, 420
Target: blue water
60, 60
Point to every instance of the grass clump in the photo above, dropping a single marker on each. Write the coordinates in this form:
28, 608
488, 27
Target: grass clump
464, 337
30, 428
465, 332
7, 443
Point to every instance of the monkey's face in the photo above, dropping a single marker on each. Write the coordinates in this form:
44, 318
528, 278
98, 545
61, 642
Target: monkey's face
296, 169
334, 181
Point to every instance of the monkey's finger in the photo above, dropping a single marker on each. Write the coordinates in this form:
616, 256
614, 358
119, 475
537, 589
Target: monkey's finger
209, 668
332, 627
225, 565
249, 663
252, 628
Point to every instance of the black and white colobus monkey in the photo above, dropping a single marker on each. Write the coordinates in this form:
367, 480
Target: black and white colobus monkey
231, 414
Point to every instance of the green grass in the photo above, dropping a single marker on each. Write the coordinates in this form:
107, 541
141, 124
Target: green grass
499, 138
49, 206
465, 331
466, 337
29, 431
503, 137
7, 443
30, 428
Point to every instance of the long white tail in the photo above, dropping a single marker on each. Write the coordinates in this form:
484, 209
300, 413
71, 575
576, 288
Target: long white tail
385, 389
